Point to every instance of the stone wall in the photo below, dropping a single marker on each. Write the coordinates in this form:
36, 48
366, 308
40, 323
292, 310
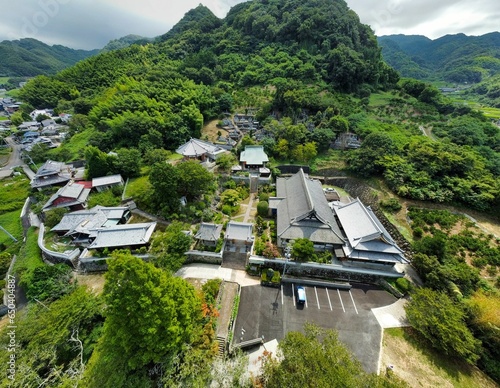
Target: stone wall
359, 189
203, 257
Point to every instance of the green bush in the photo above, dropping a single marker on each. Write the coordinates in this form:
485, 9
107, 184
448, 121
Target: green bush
262, 208
264, 197
392, 205
403, 285
418, 232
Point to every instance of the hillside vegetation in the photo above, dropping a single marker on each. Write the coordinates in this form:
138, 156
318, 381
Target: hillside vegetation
310, 71
30, 57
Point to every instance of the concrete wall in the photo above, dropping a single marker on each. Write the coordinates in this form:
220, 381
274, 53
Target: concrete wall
203, 257
70, 258
323, 271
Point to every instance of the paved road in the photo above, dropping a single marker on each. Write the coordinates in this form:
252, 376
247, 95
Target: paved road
15, 161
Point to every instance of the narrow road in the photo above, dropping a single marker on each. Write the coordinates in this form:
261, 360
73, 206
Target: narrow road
15, 161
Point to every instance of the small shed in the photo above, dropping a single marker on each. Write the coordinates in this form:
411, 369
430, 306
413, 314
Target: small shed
107, 182
208, 234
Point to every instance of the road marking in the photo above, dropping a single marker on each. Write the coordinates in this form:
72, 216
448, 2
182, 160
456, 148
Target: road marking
353, 302
305, 294
293, 294
342, 303
317, 300
328, 295
282, 301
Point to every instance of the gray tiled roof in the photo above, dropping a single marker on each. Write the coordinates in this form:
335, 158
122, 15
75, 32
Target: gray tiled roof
366, 236
51, 173
208, 232
107, 180
240, 231
196, 147
122, 235
254, 155
82, 221
73, 194
304, 211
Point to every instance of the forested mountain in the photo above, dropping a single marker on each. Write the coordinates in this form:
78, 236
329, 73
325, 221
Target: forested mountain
125, 41
454, 58
312, 64
310, 71
30, 57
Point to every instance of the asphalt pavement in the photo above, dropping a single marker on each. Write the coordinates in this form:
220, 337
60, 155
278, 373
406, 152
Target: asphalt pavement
273, 312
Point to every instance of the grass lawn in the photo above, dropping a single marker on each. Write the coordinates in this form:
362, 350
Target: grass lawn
379, 99
137, 186
421, 366
30, 256
4, 80
13, 193
12, 223
77, 145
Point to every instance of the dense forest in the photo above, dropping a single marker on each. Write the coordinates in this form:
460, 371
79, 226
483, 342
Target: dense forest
30, 57
455, 58
310, 71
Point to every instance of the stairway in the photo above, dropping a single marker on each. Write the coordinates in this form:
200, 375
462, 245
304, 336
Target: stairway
222, 346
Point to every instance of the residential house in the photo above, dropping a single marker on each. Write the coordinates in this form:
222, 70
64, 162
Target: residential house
73, 197
367, 241
52, 173
79, 224
131, 236
107, 182
208, 234
48, 123
196, 149
303, 212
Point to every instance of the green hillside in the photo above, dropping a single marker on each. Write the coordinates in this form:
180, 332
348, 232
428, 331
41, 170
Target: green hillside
30, 57
309, 71
453, 58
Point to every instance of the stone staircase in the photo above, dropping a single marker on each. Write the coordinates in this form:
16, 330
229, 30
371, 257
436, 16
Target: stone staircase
222, 347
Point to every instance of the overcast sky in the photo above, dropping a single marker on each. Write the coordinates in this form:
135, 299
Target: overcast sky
90, 24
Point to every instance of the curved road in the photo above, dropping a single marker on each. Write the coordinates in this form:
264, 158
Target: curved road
15, 161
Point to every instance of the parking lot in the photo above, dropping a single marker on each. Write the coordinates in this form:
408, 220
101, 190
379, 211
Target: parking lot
273, 312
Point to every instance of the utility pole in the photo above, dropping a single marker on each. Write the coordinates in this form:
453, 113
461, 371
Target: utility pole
11, 236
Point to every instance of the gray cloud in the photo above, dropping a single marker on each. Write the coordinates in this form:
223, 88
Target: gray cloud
92, 23
432, 18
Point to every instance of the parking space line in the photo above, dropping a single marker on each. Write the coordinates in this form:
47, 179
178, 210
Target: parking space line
342, 303
293, 294
354, 304
282, 301
317, 300
328, 295
305, 294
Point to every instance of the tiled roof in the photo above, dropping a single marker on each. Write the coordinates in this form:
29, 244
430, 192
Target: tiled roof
208, 232
196, 147
107, 180
254, 155
70, 195
122, 235
82, 221
240, 231
366, 236
304, 211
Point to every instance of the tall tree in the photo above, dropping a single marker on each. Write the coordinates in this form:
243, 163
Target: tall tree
164, 179
150, 316
438, 319
316, 358
194, 179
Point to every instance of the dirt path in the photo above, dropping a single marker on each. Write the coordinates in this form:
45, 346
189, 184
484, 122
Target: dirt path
229, 292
